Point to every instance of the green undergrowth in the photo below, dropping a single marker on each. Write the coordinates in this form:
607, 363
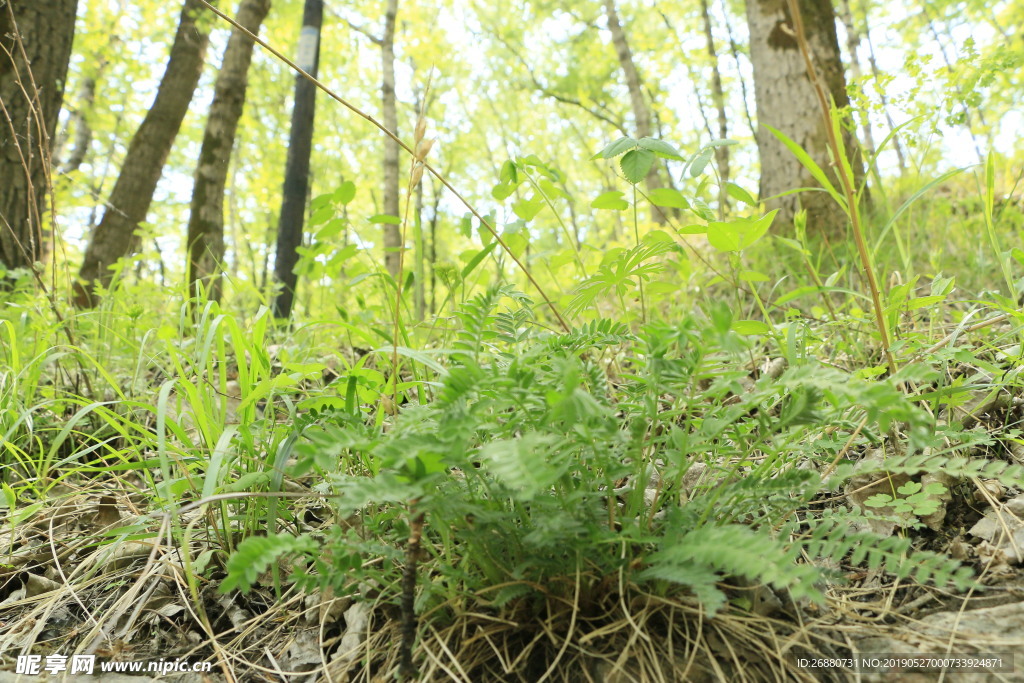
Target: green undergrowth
549, 464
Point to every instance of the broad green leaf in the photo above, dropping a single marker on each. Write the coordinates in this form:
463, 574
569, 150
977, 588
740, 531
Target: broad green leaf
508, 173
532, 160
655, 236
321, 215
616, 148
668, 197
332, 228
924, 301
610, 200
527, 209
345, 193
386, 218
693, 229
738, 234
517, 243
636, 163
661, 148
503, 190
739, 194
753, 276
700, 161
551, 190
751, 327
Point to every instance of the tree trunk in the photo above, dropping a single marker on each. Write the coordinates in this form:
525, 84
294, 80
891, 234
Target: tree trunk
206, 222
392, 234
786, 101
143, 165
296, 172
79, 118
37, 33
718, 97
641, 112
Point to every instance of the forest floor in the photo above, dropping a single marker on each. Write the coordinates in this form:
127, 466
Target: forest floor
67, 590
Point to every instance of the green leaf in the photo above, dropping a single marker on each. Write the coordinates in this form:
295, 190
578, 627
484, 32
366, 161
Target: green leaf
636, 163
751, 327
616, 148
475, 261
661, 148
740, 233
345, 193
668, 197
503, 190
527, 209
508, 173
610, 200
924, 301
808, 163
700, 161
693, 229
386, 218
753, 276
739, 194
332, 228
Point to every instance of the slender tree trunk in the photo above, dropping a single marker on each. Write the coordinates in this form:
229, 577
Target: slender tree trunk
786, 102
853, 47
79, 118
206, 221
641, 112
147, 153
35, 47
718, 97
734, 49
392, 234
884, 100
296, 172
691, 71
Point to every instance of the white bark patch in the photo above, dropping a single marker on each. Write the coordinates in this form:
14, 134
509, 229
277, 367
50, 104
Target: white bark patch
308, 40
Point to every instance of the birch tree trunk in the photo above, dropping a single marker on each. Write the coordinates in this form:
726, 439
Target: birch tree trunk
30, 98
206, 221
786, 101
147, 153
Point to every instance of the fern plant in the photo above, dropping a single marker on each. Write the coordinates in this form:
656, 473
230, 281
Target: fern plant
537, 471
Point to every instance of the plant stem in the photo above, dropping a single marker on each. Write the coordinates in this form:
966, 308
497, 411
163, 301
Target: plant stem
842, 170
639, 279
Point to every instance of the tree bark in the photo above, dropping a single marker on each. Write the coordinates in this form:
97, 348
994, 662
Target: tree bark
392, 234
206, 221
718, 97
296, 172
786, 101
641, 112
35, 48
143, 165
